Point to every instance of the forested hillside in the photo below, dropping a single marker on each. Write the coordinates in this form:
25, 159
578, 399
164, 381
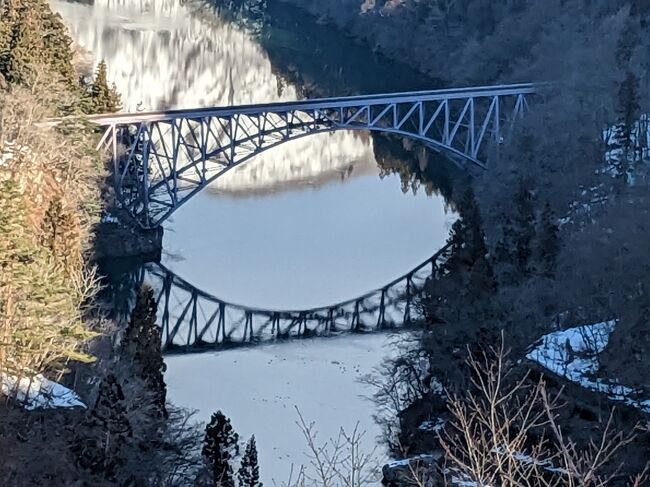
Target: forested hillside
554, 234
116, 427
50, 182
50, 185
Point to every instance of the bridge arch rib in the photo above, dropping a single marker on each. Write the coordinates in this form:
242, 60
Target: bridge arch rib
162, 159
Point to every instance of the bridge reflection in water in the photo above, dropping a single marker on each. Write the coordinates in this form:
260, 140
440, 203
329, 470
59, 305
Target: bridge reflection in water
193, 320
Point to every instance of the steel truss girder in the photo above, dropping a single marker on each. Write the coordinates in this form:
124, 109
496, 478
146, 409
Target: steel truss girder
162, 159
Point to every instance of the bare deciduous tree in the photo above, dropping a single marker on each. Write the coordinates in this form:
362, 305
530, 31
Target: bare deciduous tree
505, 432
338, 462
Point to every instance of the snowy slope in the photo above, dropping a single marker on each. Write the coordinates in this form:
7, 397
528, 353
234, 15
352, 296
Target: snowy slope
573, 354
40, 393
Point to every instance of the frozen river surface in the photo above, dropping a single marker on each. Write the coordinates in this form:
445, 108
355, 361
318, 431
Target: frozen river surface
260, 389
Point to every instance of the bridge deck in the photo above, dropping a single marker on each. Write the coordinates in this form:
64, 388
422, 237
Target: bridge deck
348, 101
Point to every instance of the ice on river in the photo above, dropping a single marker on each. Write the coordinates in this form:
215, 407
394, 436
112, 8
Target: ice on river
259, 388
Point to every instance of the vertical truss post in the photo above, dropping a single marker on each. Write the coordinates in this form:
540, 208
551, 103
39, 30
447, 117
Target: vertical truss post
193, 322
395, 115
248, 326
275, 324
221, 324
303, 324
145, 172
231, 135
407, 309
116, 165
445, 129
203, 149
168, 283
172, 163
497, 125
472, 136
515, 115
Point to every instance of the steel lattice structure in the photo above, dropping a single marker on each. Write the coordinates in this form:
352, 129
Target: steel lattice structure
162, 159
193, 320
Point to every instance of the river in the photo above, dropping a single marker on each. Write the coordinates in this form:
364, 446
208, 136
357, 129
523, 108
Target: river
307, 224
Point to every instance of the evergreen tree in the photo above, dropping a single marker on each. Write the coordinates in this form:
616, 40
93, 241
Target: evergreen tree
249, 471
522, 229
58, 44
219, 443
34, 44
32, 37
461, 297
504, 254
142, 345
35, 296
104, 98
60, 234
466, 282
467, 239
102, 436
548, 242
628, 107
22, 45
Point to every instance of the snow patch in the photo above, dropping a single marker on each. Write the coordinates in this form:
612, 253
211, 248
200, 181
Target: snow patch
639, 144
10, 151
407, 461
573, 354
108, 218
40, 393
463, 483
433, 426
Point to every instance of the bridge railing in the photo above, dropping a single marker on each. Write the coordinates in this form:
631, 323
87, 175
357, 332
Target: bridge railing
113, 119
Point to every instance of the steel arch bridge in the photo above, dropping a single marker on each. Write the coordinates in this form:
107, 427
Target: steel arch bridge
192, 320
162, 159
